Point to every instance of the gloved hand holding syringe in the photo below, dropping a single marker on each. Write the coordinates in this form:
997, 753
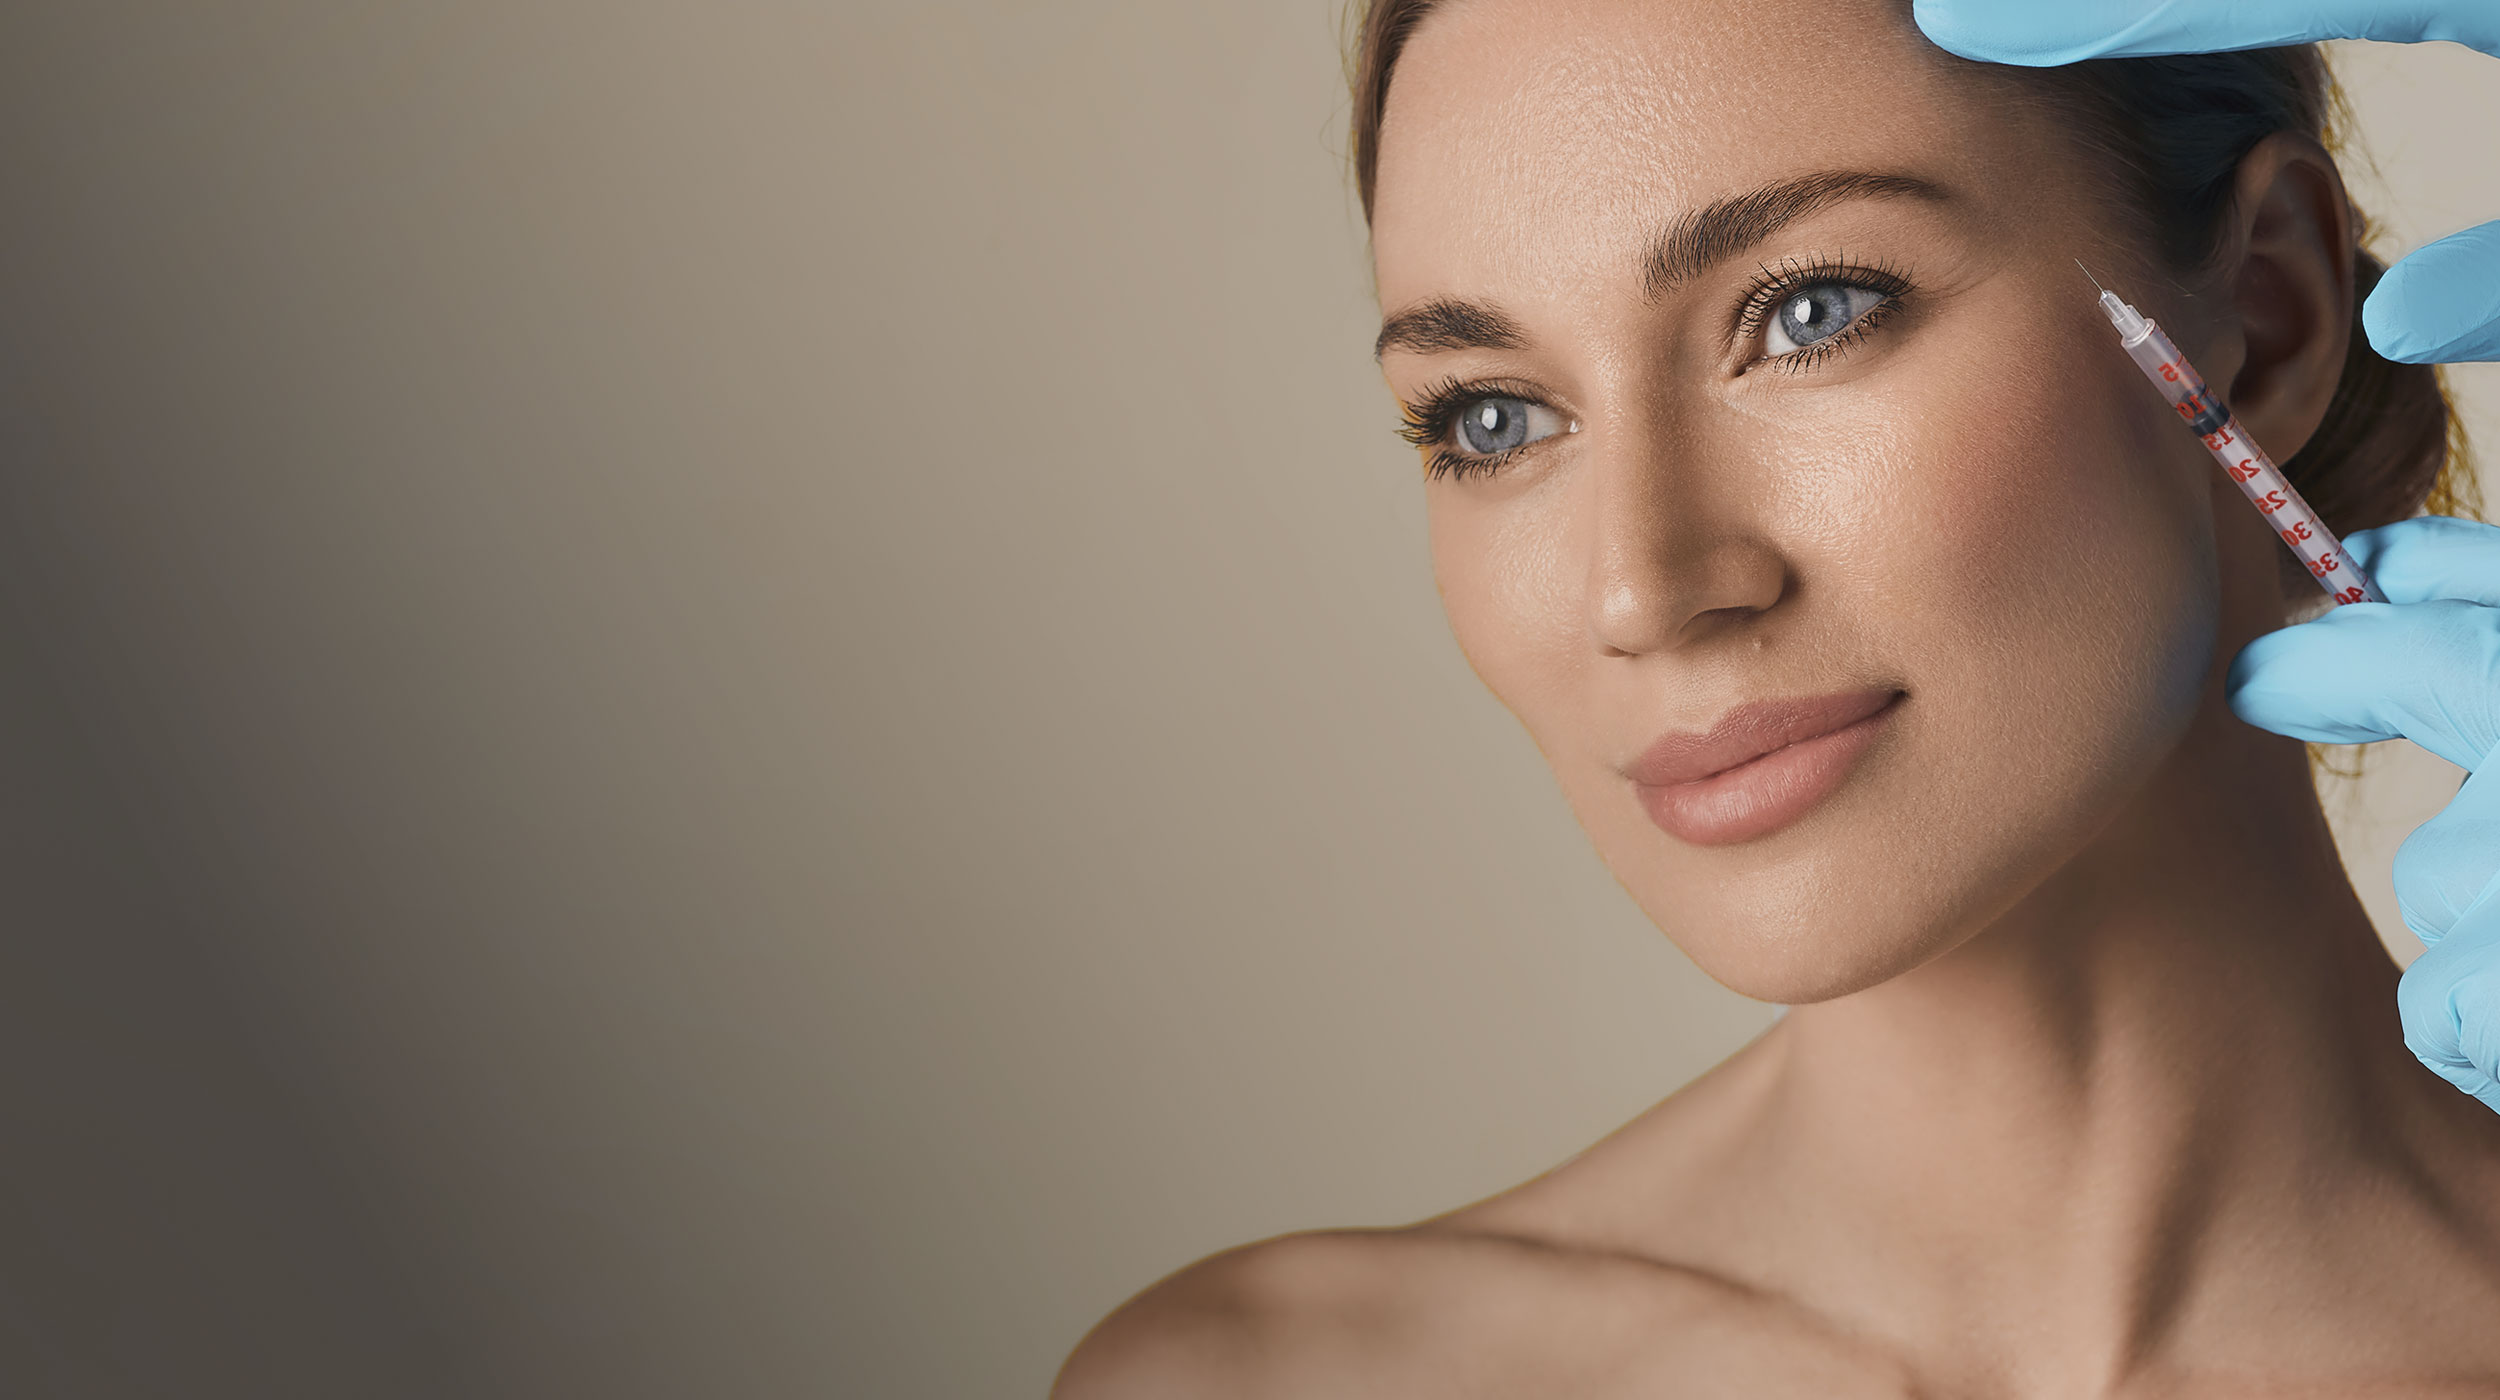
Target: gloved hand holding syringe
2426, 668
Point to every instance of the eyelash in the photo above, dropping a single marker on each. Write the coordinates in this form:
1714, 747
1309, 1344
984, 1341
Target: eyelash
1772, 285
1427, 421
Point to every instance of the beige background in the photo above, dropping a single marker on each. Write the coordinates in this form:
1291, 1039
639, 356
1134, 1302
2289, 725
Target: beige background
742, 700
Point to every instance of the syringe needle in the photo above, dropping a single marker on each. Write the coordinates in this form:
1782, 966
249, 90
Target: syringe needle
2087, 272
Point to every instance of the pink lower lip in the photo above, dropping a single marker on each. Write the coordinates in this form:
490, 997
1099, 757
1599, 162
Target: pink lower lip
1756, 798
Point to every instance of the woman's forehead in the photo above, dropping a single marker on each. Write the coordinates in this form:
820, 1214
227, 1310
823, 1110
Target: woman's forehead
1548, 140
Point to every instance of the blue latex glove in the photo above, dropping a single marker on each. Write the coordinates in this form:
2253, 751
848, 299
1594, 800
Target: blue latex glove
2424, 665
2440, 304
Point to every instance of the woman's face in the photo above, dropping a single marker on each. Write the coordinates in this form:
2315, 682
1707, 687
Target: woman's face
1771, 416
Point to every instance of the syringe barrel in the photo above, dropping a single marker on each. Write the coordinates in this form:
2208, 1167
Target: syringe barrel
2249, 468
2178, 381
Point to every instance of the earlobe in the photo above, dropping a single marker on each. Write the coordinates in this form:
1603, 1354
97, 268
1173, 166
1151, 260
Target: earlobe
2290, 284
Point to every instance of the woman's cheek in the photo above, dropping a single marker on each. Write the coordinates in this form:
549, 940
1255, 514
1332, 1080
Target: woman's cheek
2065, 613
1501, 560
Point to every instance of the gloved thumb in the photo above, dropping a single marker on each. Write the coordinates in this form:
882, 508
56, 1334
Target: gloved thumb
2449, 1001
2371, 671
2448, 870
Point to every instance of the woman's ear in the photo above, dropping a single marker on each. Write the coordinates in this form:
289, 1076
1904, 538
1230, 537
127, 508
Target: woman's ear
2288, 277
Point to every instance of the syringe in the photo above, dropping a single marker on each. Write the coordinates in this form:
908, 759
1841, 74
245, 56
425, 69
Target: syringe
2242, 459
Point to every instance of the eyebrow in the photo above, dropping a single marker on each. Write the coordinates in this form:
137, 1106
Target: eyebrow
1691, 245
1445, 323
1723, 228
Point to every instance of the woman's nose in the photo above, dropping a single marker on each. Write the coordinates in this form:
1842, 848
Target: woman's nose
1675, 558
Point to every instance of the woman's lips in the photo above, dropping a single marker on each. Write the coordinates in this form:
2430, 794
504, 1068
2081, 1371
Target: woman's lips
1758, 769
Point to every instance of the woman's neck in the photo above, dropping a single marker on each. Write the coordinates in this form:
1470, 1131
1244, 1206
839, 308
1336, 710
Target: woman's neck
2175, 1063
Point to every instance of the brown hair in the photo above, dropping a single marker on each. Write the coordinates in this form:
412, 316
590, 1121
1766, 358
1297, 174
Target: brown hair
2170, 134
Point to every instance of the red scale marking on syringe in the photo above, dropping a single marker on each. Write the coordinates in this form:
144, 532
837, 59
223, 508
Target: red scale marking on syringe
2247, 464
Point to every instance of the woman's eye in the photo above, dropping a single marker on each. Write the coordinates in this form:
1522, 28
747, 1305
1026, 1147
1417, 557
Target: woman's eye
1816, 313
1490, 426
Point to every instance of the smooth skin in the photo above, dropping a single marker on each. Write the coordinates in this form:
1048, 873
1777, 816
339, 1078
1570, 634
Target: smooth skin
2093, 1083
2428, 667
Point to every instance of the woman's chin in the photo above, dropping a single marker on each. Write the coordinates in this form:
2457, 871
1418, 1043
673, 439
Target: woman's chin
1798, 957
1801, 972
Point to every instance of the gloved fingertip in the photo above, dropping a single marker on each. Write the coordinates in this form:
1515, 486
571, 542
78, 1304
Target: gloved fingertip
2241, 691
2244, 681
2440, 305
2383, 320
2262, 706
2395, 332
1945, 27
2023, 35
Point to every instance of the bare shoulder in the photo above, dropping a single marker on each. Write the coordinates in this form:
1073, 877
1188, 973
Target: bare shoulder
1542, 1290
1442, 1311
1225, 1325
